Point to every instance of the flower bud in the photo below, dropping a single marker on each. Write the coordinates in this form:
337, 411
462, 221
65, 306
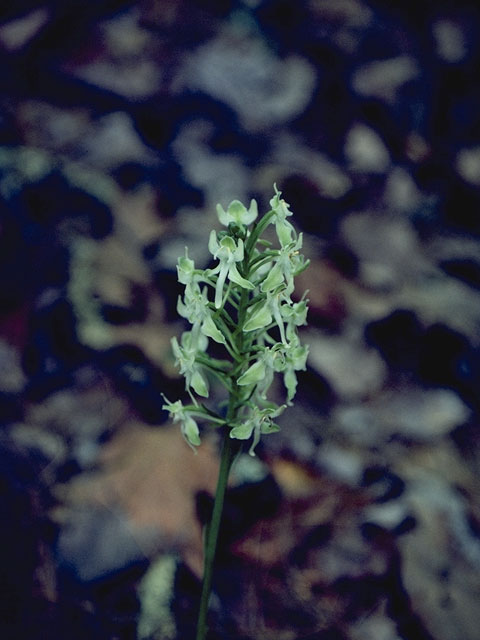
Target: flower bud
185, 268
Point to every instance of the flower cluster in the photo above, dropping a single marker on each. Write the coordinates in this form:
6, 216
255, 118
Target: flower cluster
243, 304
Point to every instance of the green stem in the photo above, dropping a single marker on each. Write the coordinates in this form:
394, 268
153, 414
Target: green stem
211, 532
229, 449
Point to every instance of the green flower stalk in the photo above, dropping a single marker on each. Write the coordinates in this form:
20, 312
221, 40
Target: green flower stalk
244, 305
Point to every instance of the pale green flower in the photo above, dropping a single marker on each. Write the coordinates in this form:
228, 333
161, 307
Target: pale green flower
284, 229
284, 310
275, 277
209, 329
194, 308
185, 269
274, 301
257, 317
258, 422
178, 413
238, 213
255, 373
262, 313
228, 253
295, 360
288, 263
261, 372
185, 359
295, 315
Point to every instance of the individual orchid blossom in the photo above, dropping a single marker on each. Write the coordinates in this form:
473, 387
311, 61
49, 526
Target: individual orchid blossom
288, 263
237, 212
185, 269
195, 309
260, 374
295, 315
285, 230
189, 427
186, 359
258, 316
295, 360
258, 422
262, 313
228, 253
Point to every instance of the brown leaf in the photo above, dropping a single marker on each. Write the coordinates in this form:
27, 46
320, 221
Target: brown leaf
153, 476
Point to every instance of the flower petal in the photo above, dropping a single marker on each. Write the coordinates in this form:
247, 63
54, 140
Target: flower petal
253, 374
259, 317
237, 213
269, 427
185, 268
210, 330
251, 214
284, 232
290, 381
238, 252
274, 278
190, 430
234, 276
182, 310
223, 215
199, 384
219, 285
213, 245
242, 431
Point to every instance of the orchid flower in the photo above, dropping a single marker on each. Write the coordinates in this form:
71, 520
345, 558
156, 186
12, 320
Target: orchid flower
258, 421
295, 360
189, 427
285, 230
228, 253
195, 309
237, 212
261, 372
186, 269
185, 359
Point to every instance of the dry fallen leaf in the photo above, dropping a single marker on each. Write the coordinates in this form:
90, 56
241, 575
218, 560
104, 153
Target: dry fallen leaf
153, 476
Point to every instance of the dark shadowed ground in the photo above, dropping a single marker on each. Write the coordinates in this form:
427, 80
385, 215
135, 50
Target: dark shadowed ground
122, 124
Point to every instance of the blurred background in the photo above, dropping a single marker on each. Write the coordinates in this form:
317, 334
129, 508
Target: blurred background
122, 125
